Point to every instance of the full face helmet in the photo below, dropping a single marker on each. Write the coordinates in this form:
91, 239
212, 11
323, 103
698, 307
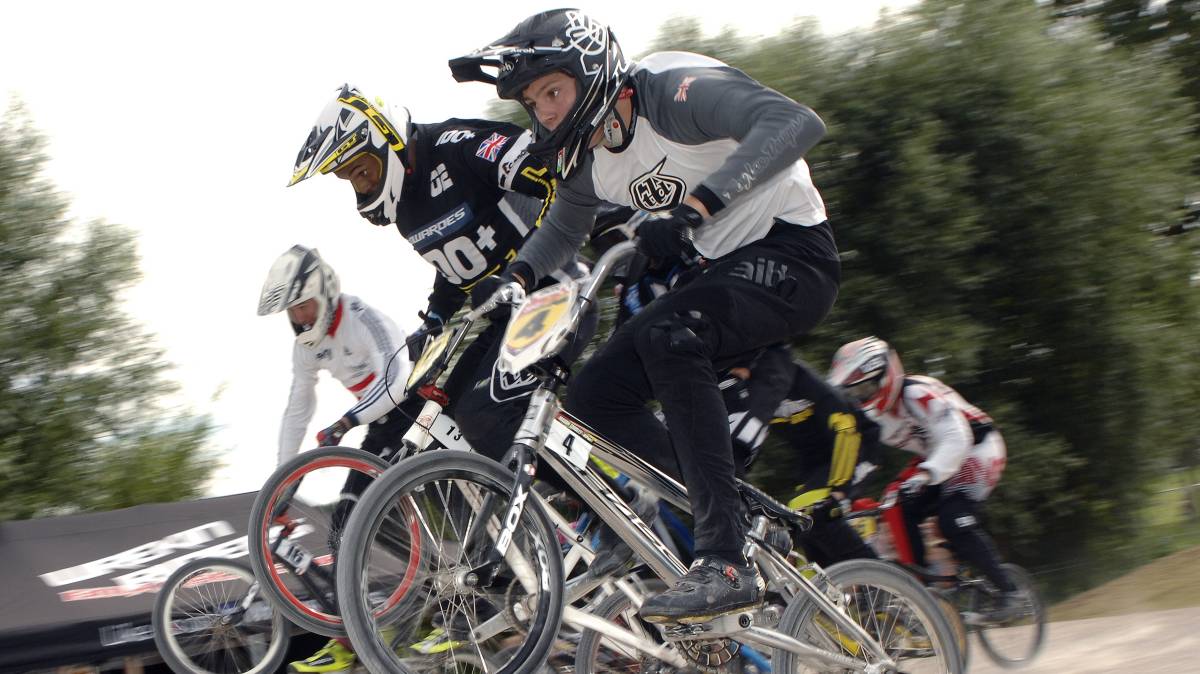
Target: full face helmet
870, 372
560, 40
353, 125
297, 276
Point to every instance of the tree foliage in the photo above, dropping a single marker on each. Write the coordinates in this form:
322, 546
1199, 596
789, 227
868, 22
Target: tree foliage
993, 178
81, 422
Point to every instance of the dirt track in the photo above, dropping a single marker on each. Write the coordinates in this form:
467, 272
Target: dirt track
1146, 643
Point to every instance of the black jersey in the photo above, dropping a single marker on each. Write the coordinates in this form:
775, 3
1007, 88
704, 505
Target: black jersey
471, 197
830, 435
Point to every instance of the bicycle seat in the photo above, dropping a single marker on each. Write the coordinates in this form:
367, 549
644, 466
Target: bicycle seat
761, 503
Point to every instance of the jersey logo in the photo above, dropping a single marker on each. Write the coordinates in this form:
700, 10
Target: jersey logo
655, 190
454, 136
490, 148
681, 92
441, 228
439, 180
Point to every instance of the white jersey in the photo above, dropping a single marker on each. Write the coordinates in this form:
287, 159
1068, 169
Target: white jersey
933, 421
358, 351
701, 128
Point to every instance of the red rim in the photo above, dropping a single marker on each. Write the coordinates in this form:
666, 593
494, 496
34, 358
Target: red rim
276, 577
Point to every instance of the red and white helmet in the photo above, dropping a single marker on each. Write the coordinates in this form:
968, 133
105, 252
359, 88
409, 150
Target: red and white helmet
869, 371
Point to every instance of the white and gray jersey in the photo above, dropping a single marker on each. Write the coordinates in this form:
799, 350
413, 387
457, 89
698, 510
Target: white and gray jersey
357, 352
704, 128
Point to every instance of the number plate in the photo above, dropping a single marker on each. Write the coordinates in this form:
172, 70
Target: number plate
448, 433
569, 444
539, 326
428, 358
296, 557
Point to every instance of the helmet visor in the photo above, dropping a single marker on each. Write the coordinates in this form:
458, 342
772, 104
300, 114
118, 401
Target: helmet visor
864, 390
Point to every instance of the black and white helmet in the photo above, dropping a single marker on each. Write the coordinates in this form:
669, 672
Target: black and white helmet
564, 40
299, 275
353, 124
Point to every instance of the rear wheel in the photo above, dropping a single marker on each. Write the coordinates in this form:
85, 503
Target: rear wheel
209, 618
1016, 642
890, 605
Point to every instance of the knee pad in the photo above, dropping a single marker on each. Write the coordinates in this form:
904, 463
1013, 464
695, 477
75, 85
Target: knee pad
680, 334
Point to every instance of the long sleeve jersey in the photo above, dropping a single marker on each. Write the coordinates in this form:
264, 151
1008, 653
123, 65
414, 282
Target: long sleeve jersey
933, 421
702, 128
360, 351
472, 197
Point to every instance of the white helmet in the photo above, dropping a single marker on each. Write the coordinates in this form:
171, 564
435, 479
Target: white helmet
869, 371
349, 126
299, 275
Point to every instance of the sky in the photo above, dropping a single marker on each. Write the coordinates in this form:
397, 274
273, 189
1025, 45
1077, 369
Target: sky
181, 121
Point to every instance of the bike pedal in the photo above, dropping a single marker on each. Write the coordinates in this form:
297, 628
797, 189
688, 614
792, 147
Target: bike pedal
709, 626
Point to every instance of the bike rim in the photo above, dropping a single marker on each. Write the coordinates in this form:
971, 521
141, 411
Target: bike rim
277, 571
207, 630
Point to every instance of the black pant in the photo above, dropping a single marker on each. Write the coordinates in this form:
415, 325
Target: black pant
834, 540
764, 293
383, 440
958, 518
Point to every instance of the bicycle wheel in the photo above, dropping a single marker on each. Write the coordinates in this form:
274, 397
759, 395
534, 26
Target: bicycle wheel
298, 576
890, 605
209, 619
597, 653
508, 620
1015, 643
954, 619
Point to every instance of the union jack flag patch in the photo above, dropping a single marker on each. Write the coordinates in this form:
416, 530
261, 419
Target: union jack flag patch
490, 148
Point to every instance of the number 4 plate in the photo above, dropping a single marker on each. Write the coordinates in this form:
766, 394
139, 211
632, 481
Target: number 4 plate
568, 444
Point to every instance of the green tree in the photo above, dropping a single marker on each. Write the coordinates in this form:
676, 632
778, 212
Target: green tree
81, 423
994, 179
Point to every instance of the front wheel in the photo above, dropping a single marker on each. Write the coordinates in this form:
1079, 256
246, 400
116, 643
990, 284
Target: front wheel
890, 605
1016, 642
304, 495
961, 635
507, 620
209, 618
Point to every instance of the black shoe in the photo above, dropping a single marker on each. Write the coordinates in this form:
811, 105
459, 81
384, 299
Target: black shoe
1007, 607
612, 552
711, 587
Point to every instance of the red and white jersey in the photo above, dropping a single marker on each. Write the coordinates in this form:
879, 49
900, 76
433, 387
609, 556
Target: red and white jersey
932, 420
357, 351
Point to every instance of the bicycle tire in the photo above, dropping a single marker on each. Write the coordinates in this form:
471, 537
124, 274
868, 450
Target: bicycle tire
961, 635
867, 580
457, 480
191, 625
616, 608
991, 638
293, 602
